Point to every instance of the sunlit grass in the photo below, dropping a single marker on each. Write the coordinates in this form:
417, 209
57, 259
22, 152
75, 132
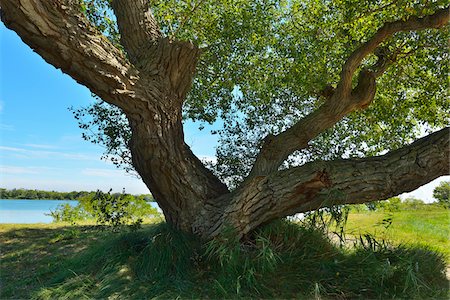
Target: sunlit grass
282, 260
423, 227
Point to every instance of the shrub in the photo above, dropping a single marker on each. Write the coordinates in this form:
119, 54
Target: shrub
67, 213
113, 210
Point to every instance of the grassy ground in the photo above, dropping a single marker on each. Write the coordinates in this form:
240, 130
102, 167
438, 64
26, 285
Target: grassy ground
423, 227
283, 260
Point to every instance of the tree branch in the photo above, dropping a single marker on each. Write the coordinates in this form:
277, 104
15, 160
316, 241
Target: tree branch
138, 28
59, 32
152, 53
436, 20
323, 184
341, 101
385, 61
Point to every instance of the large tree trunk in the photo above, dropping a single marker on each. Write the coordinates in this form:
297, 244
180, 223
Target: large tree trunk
150, 85
177, 179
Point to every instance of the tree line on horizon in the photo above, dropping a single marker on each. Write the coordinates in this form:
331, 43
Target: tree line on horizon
53, 195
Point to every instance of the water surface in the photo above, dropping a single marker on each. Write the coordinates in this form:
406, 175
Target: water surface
29, 211
26, 211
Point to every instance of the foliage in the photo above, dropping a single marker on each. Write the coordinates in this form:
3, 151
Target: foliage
442, 193
106, 125
113, 210
394, 204
116, 210
160, 262
413, 203
265, 63
68, 213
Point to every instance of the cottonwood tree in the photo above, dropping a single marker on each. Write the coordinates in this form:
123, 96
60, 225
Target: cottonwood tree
320, 100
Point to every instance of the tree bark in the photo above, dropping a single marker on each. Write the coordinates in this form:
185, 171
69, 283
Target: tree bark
150, 93
150, 84
328, 183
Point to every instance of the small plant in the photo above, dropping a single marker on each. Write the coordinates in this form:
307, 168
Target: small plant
112, 210
67, 213
241, 265
118, 210
330, 220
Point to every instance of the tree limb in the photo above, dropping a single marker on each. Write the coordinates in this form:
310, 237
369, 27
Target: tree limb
436, 20
150, 52
342, 101
327, 183
138, 28
59, 32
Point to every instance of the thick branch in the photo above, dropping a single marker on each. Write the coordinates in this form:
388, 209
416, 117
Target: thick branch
341, 101
322, 184
138, 28
275, 149
439, 19
60, 33
151, 97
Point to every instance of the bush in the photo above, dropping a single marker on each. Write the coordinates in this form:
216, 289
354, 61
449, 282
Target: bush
413, 203
113, 210
67, 213
117, 210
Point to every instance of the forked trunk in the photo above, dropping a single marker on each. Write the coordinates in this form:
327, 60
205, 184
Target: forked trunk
177, 179
150, 84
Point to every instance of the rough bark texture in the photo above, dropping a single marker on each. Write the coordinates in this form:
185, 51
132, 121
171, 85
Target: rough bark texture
327, 183
150, 93
150, 85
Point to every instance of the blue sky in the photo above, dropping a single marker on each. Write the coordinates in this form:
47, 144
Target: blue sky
40, 143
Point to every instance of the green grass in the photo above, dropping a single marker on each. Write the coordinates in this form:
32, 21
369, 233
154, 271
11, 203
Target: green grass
282, 260
429, 228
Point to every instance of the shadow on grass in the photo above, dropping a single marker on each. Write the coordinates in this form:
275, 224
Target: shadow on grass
282, 260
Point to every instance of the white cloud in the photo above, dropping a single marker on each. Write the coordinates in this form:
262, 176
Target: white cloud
8, 169
47, 154
10, 149
41, 146
102, 172
18, 170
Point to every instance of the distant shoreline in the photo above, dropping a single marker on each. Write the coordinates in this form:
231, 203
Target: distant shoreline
26, 194
2, 199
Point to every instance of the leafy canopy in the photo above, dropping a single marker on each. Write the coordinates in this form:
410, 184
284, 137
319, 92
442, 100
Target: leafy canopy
264, 64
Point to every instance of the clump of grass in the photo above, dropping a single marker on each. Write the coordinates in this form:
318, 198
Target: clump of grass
158, 261
280, 260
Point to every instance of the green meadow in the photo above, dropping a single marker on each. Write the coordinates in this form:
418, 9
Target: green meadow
282, 260
429, 228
